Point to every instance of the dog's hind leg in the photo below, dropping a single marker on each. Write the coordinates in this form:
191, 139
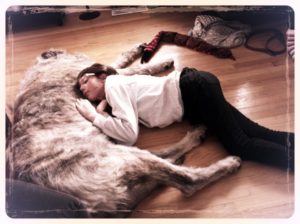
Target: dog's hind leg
154, 170
188, 179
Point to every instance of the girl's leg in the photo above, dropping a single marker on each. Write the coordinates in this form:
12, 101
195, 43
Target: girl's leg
255, 130
270, 153
273, 141
204, 103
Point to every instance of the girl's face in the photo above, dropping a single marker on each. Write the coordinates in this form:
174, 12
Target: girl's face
92, 87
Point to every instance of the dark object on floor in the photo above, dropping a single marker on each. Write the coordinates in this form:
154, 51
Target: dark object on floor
89, 15
29, 18
26, 200
275, 35
218, 32
185, 41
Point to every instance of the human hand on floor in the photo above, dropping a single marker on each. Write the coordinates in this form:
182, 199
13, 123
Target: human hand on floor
86, 109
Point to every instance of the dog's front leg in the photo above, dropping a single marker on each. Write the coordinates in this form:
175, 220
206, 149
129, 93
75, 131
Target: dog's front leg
174, 152
128, 57
152, 68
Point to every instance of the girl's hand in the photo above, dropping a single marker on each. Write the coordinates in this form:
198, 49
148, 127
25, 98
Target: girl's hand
86, 109
101, 107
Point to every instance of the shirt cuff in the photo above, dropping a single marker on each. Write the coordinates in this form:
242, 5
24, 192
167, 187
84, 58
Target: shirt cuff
99, 121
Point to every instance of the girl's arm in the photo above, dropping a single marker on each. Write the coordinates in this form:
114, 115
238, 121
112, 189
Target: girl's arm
123, 126
101, 108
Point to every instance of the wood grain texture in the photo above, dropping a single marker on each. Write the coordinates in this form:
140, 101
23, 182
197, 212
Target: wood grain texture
259, 85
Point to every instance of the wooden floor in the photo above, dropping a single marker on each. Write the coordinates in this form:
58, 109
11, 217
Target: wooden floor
259, 85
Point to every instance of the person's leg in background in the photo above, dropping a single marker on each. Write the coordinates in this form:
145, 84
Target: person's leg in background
290, 34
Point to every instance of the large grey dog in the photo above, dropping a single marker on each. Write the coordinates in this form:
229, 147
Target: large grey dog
54, 146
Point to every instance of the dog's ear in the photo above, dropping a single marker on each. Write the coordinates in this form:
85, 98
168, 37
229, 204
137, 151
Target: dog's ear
50, 54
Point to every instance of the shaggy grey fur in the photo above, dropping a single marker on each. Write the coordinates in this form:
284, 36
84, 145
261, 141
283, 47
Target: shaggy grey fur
54, 146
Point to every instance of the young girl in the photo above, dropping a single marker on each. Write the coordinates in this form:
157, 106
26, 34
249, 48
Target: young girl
160, 101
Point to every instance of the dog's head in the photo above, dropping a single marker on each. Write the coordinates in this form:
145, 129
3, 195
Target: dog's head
46, 124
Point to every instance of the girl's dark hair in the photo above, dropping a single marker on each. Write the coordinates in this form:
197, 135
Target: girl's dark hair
97, 69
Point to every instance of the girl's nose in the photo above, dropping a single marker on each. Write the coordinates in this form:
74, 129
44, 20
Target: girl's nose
81, 88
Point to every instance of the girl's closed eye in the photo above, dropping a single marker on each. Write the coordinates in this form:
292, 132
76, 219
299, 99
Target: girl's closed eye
83, 80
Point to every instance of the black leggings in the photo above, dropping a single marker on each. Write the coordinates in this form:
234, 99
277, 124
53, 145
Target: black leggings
204, 103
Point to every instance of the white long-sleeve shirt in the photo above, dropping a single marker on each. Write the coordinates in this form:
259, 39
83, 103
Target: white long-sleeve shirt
149, 100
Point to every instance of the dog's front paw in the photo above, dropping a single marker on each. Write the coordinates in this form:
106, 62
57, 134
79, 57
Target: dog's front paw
142, 46
169, 63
